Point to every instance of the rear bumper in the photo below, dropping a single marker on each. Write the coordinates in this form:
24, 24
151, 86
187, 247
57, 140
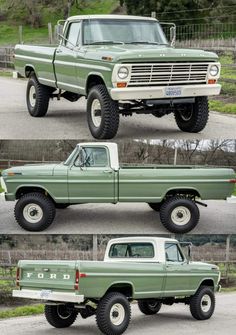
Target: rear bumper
158, 92
47, 295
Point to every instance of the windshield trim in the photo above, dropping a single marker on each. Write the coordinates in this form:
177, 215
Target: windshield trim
164, 42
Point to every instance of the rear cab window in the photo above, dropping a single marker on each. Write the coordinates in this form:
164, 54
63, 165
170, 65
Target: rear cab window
132, 250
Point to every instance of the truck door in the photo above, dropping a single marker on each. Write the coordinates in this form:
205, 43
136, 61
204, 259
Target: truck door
91, 178
65, 58
177, 271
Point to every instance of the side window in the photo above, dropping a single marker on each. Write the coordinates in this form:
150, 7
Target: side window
73, 34
93, 157
173, 253
132, 250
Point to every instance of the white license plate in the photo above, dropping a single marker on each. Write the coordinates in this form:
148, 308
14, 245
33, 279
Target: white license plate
173, 91
44, 294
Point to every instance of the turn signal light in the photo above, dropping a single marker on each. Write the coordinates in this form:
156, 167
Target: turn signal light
121, 85
212, 81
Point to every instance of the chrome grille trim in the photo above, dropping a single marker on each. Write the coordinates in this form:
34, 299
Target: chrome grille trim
168, 73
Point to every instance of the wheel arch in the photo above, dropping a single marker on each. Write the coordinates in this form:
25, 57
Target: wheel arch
123, 287
93, 79
24, 189
181, 191
209, 282
29, 68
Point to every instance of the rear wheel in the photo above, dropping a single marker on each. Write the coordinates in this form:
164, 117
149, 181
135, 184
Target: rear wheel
149, 307
179, 214
37, 97
34, 211
60, 316
202, 304
155, 206
62, 206
193, 118
113, 314
102, 113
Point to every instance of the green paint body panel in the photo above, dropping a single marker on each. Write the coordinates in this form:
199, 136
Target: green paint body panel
147, 280
71, 184
70, 68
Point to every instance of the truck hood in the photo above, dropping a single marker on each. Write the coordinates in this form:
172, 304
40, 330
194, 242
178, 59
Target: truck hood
31, 169
141, 53
203, 265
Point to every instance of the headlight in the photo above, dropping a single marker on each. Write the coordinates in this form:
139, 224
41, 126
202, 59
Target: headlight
123, 72
214, 70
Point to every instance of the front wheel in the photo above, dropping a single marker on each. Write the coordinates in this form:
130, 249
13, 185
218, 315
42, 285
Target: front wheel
34, 211
102, 113
179, 214
113, 314
37, 97
149, 307
202, 304
60, 316
193, 118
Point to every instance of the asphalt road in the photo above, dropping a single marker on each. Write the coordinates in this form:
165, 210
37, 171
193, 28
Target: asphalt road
127, 218
173, 320
67, 120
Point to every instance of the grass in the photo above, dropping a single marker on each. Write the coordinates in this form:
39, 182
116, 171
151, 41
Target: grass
234, 193
226, 102
22, 311
228, 289
9, 30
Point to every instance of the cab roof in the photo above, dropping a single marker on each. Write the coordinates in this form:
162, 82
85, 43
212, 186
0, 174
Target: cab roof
108, 16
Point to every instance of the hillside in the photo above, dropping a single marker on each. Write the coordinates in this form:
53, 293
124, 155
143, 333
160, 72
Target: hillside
35, 19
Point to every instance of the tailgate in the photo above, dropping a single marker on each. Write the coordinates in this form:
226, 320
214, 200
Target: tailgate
53, 275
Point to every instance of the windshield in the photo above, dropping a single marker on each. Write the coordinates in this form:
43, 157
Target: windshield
69, 159
106, 31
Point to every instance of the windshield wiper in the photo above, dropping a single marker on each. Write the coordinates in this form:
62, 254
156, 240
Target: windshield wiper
106, 42
146, 42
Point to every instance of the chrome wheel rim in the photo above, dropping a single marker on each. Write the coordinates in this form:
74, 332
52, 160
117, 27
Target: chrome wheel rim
117, 314
180, 215
186, 115
206, 303
32, 96
63, 313
33, 213
96, 113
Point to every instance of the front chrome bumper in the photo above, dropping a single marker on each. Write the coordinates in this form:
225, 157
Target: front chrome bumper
48, 295
158, 92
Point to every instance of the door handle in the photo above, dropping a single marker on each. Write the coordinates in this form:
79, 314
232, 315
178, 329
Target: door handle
107, 171
59, 51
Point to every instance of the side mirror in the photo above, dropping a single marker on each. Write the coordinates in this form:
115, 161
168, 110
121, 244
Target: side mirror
189, 246
173, 35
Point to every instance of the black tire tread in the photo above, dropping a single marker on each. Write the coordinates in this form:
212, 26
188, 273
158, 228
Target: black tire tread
199, 119
164, 209
55, 321
144, 308
43, 96
50, 210
110, 112
101, 318
194, 303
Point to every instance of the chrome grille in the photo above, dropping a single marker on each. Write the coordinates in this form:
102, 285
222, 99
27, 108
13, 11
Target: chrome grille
168, 74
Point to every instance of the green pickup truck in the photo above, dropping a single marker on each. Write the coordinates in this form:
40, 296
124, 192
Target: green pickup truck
122, 65
151, 270
92, 174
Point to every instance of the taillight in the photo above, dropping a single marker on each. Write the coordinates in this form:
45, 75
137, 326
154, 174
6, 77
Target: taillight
233, 181
78, 275
77, 280
18, 277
